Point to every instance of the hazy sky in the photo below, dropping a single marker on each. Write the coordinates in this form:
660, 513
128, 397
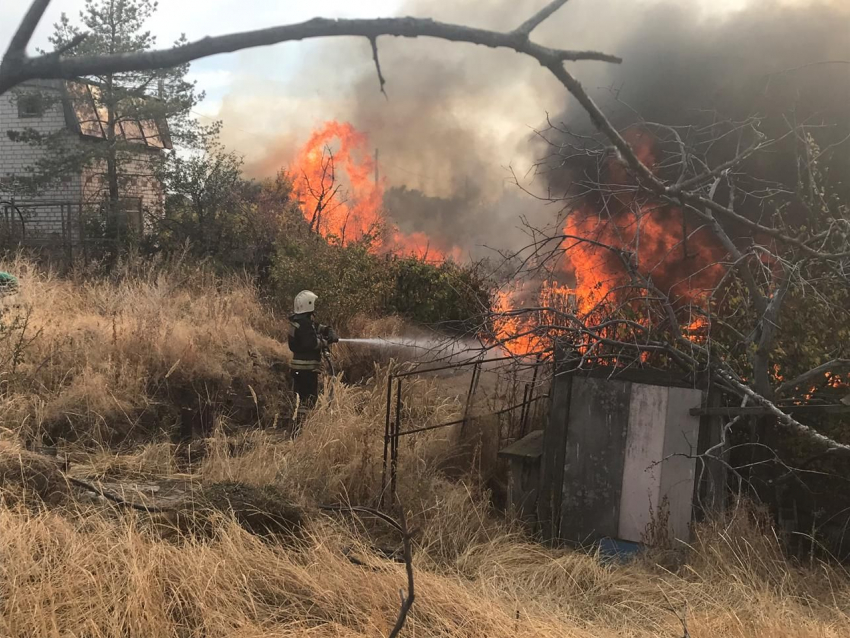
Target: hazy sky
268, 97
208, 17
211, 17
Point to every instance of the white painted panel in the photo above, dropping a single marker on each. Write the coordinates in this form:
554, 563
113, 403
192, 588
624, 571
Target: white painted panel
678, 472
644, 449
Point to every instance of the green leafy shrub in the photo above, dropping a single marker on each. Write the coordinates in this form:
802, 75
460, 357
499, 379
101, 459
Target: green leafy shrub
352, 280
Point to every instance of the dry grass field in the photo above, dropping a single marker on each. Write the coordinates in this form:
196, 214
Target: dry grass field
103, 363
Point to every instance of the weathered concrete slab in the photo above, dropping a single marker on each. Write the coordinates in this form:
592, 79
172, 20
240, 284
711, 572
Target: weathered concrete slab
678, 471
642, 466
528, 447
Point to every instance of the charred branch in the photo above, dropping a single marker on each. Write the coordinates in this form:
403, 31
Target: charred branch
805, 379
377, 60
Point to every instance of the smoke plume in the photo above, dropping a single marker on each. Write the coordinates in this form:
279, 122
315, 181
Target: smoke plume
460, 120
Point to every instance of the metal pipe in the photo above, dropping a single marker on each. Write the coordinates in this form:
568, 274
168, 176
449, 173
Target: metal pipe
431, 427
464, 364
397, 433
459, 421
390, 379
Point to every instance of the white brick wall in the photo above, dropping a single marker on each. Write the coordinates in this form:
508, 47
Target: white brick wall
52, 214
15, 157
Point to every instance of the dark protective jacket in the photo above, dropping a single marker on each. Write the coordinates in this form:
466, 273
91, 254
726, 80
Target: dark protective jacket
307, 338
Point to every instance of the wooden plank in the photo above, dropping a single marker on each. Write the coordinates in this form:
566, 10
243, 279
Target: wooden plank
528, 447
758, 410
554, 444
644, 451
595, 450
646, 376
678, 470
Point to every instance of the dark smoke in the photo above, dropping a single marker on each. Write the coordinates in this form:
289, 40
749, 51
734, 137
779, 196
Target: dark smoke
459, 117
777, 63
768, 60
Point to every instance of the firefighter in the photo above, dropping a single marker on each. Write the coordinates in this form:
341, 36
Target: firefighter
308, 340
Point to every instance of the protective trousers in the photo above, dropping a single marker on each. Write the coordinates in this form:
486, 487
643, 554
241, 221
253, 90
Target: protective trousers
305, 383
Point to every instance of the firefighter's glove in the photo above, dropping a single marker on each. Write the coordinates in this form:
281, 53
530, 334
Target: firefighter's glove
329, 335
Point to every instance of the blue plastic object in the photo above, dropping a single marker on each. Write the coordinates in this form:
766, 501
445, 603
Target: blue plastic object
614, 550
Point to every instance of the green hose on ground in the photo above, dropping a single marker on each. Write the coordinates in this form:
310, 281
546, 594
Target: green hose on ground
8, 283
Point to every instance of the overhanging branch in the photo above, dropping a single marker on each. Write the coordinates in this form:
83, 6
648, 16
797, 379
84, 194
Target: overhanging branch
540, 17
47, 67
834, 366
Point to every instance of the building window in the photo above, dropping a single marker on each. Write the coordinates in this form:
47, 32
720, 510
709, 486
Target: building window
30, 105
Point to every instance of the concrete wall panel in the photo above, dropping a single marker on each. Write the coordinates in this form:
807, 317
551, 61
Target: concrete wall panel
641, 470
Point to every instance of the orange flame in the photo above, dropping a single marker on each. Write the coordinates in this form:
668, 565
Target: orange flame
335, 183
679, 262
525, 329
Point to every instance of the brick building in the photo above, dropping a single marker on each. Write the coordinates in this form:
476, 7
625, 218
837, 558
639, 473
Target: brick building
57, 211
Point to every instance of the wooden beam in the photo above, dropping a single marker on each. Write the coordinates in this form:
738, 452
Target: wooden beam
757, 410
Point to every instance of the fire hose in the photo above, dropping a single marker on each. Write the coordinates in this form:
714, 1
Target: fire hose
326, 355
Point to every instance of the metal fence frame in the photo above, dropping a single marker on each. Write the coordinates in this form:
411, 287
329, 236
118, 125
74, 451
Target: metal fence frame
28, 215
392, 426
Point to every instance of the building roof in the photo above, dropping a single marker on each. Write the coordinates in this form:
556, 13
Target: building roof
86, 114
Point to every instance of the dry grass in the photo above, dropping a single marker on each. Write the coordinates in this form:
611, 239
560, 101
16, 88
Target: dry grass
105, 359
74, 570
475, 577
94, 576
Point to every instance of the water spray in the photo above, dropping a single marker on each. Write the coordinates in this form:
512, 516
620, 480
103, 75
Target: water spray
430, 347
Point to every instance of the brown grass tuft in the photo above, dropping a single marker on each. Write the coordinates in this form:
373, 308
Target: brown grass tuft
130, 356
25, 476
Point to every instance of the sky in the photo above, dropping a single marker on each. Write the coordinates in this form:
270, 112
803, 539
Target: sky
175, 17
269, 97
215, 75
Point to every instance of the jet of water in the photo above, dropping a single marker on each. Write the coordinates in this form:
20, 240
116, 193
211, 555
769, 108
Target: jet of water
436, 346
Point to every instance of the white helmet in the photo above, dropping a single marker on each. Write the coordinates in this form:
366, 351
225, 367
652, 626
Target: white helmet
305, 301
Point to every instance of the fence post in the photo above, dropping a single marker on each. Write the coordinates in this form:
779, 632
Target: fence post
390, 379
395, 441
555, 444
473, 386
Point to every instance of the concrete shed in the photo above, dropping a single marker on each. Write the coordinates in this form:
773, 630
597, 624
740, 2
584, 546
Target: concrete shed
617, 449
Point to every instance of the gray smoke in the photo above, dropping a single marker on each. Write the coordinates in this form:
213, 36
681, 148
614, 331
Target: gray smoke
460, 120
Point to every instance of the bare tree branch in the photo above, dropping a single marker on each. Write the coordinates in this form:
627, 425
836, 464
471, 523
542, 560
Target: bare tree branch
18, 46
24, 68
719, 170
784, 419
836, 365
407, 545
73, 43
541, 16
406, 601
